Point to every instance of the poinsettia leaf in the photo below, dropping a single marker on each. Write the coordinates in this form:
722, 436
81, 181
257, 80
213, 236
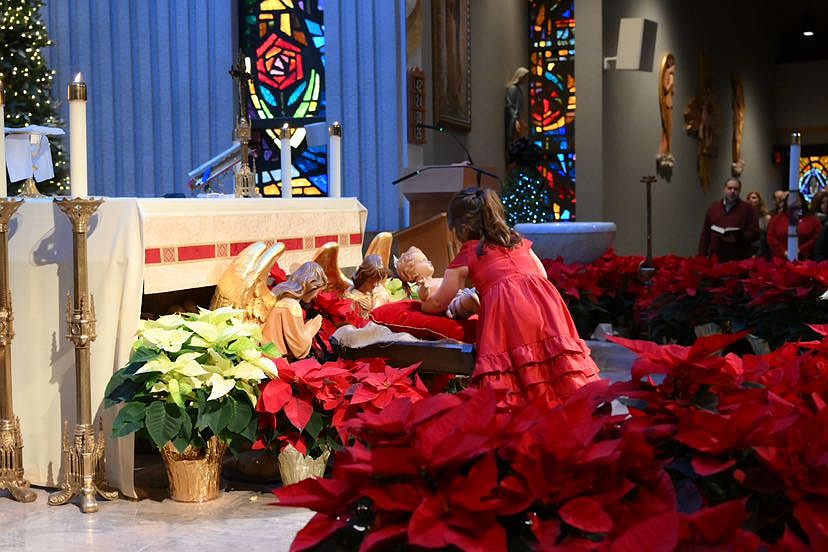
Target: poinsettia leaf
298, 411
162, 423
201, 399
315, 425
317, 531
121, 388
133, 411
271, 350
708, 345
129, 420
250, 431
186, 430
180, 443
384, 538
240, 419
275, 395
586, 514
705, 465
659, 532
142, 355
216, 415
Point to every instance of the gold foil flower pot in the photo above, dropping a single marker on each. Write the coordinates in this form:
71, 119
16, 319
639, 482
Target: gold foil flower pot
295, 466
195, 474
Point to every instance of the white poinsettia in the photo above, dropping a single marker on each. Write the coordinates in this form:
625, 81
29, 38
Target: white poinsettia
185, 360
161, 363
267, 366
248, 371
166, 340
220, 386
167, 322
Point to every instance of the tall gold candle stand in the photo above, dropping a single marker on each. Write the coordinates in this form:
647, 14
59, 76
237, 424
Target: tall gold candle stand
11, 440
83, 459
245, 177
29, 189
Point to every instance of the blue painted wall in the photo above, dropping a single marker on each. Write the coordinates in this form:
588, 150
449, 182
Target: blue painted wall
161, 101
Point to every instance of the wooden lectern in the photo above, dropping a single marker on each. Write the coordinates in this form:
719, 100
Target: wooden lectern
429, 191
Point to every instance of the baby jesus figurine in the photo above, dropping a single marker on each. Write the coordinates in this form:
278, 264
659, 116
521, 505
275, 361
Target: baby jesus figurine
369, 290
413, 267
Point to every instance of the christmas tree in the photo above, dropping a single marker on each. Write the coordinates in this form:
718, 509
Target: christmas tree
28, 81
526, 197
525, 193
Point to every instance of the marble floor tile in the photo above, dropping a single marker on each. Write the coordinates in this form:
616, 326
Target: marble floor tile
241, 520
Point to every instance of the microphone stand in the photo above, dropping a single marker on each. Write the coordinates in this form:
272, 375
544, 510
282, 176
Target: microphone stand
478, 171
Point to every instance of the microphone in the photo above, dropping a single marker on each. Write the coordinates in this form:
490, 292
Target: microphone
444, 131
432, 127
417, 172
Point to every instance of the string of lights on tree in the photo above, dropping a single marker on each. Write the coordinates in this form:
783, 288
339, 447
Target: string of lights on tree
28, 80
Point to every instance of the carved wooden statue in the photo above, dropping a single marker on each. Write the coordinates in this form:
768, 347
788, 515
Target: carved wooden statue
738, 105
666, 91
702, 121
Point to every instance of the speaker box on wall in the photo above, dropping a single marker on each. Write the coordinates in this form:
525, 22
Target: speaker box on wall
636, 44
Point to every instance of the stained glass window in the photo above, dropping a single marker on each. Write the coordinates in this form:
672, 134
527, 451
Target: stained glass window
284, 46
813, 175
552, 98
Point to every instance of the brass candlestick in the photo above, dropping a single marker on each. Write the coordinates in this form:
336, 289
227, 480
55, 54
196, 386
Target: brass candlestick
84, 457
245, 177
11, 440
29, 189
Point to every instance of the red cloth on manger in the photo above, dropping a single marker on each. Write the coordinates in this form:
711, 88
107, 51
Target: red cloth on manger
407, 316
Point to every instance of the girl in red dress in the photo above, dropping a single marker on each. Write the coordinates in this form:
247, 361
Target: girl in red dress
527, 343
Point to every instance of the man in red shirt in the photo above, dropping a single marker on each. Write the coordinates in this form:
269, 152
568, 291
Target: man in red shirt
730, 226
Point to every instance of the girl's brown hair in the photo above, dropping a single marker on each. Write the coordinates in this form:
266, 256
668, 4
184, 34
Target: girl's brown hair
307, 278
477, 214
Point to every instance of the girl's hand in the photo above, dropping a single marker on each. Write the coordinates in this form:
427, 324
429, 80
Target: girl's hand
438, 300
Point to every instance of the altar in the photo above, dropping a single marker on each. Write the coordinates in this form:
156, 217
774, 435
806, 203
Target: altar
135, 247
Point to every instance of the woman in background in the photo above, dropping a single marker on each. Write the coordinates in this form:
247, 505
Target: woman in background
763, 217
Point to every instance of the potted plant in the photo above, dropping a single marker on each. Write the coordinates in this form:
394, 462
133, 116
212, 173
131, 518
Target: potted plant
304, 415
192, 385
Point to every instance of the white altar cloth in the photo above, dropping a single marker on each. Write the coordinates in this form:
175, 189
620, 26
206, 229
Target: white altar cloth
154, 244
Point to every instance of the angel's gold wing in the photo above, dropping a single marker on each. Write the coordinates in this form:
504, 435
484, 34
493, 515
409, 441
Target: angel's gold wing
327, 257
244, 284
381, 245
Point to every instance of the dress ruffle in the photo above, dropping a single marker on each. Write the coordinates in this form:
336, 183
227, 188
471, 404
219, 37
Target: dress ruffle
541, 351
554, 381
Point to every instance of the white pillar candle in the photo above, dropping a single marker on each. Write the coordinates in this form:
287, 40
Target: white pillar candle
335, 161
3, 187
287, 186
793, 189
77, 138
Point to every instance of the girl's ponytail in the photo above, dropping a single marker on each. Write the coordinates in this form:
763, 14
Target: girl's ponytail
477, 214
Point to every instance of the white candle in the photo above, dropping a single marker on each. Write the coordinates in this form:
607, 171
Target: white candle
3, 188
793, 187
77, 138
335, 161
287, 185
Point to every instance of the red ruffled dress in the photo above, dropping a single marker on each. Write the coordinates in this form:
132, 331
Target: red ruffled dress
526, 340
